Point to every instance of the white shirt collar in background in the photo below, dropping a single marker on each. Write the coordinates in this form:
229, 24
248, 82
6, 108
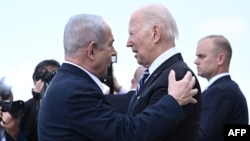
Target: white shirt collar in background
216, 77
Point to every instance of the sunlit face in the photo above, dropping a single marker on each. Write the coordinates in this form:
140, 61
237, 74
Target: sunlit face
206, 60
140, 41
104, 55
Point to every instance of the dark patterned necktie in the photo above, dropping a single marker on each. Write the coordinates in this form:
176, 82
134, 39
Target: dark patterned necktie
142, 80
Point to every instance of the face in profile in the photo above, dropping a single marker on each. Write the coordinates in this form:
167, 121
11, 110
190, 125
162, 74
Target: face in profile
140, 40
104, 54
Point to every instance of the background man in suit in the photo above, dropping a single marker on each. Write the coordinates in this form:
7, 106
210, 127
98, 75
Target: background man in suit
121, 101
222, 102
74, 107
152, 34
137, 75
119, 89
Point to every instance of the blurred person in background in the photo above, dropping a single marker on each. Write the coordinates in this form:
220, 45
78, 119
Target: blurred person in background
121, 101
10, 114
42, 75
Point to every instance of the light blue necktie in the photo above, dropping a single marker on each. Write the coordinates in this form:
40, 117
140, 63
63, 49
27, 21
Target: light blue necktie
142, 80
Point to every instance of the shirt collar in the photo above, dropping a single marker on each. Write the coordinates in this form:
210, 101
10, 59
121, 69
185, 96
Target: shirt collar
162, 58
216, 77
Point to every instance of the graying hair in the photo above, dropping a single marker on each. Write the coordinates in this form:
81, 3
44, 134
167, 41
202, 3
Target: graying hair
160, 15
81, 30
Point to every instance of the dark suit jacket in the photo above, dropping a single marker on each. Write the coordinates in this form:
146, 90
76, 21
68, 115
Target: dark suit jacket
156, 87
75, 109
120, 101
223, 103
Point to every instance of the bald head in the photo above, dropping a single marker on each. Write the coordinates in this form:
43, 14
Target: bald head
137, 75
220, 45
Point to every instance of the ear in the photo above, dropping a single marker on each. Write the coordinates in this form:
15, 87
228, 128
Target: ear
91, 50
221, 59
156, 33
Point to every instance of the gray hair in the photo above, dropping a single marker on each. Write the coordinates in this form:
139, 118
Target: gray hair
159, 14
81, 30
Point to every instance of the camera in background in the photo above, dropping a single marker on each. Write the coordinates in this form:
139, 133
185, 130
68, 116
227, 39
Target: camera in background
45, 75
15, 108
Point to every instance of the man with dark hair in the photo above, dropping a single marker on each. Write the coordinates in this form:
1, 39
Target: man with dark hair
42, 75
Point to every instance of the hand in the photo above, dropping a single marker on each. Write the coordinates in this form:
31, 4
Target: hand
38, 86
182, 90
10, 124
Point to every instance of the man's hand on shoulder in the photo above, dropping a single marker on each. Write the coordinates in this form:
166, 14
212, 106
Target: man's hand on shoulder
182, 90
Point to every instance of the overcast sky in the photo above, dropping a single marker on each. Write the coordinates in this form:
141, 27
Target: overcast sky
31, 31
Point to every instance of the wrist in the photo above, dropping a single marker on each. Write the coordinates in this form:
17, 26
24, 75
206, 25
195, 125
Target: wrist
36, 95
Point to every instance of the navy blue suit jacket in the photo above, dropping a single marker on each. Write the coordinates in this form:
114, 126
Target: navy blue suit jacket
120, 101
75, 109
156, 87
223, 103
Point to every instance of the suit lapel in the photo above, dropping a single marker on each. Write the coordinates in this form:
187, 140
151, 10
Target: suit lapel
158, 71
143, 90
